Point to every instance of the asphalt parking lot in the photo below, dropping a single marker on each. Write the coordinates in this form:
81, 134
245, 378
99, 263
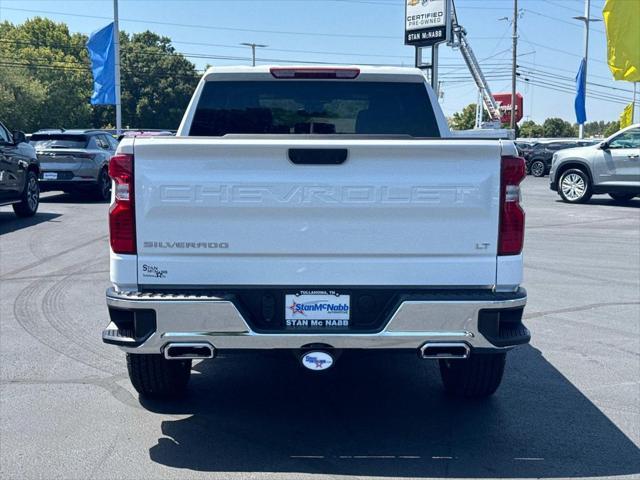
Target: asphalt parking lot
569, 405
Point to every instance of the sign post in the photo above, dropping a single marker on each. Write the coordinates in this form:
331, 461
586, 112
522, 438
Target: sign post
427, 23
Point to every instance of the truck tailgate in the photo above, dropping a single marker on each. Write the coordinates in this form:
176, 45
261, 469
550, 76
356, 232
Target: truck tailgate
231, 211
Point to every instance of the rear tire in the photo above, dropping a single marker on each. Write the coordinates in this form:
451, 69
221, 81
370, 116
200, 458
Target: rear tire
574, 186
103, 189
537, 168
30, 198
622, 197
155, 376
478, 376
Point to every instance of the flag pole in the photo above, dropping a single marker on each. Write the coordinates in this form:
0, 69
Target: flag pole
116, 47
633, 108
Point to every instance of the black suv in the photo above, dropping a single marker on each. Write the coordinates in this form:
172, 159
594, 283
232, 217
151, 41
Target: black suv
538, 158
19, 170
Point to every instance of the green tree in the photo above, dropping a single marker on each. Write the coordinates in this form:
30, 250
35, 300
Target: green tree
530, 129
612, 127
157, 81
558, 128
466, 119
42, 60
21, 98
45, 79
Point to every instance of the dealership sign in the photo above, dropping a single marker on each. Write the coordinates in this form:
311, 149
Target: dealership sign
504, 104
426, 22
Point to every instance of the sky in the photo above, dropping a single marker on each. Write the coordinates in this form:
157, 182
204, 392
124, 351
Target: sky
550, 44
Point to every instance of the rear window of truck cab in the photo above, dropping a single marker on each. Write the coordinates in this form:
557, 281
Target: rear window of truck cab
314, 107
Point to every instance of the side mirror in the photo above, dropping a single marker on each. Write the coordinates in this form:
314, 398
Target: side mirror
19, 137
604, 145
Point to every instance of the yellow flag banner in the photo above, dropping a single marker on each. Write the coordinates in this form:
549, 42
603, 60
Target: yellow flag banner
622, 21
626, 117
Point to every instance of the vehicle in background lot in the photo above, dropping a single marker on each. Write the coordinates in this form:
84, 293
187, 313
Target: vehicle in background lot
19, 170
145, 133
538, 158
611, 166
524, 147
316, 210
75, 161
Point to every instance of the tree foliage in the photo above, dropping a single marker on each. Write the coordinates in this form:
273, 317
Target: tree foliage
45, 79
530, 129
466, 119
551, 127
46, 67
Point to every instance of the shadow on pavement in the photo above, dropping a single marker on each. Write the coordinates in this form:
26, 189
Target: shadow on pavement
61, 197
387, 416
606, 202
10, 222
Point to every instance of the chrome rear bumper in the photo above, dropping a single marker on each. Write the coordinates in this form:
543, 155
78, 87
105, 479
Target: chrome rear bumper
217, 321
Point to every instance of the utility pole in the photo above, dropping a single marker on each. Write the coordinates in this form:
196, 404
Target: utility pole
586, 18
253, 50
514, 37
116, 48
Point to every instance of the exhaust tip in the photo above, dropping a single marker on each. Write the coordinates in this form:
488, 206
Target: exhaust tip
185, 351
445, 350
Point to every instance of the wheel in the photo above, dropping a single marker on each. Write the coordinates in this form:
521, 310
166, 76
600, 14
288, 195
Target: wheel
622, 197
574, 186
537, 168
155, 376
30, 198
475, 377
103, 189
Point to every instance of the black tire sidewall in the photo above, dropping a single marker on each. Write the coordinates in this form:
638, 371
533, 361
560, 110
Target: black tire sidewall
103, 177
23, 209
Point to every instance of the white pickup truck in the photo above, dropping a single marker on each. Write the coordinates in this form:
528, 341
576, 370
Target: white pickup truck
315, 210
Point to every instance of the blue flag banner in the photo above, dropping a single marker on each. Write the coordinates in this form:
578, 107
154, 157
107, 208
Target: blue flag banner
103, 66
581, 114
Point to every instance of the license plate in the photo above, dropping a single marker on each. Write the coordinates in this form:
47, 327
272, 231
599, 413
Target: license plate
324, 310
49, 176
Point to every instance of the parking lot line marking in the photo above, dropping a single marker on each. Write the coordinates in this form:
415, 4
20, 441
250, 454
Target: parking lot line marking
529, 459
442, 458
306, 456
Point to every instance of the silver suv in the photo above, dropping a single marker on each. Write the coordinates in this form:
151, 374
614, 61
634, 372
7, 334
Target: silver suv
75, 160
611, 166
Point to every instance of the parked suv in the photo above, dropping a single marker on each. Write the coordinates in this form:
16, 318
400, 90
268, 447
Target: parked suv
612, 166
18, 173
75, 160
538, 158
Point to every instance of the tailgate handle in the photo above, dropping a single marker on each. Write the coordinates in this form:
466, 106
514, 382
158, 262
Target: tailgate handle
318, 156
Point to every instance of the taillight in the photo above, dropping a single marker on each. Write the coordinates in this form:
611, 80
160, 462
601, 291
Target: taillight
312, 72
511, 235
122, 219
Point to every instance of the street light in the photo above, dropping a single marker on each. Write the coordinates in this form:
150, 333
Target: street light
253, 50
586, 18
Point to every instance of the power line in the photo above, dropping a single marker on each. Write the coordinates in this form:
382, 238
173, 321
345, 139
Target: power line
208, 27
555, 19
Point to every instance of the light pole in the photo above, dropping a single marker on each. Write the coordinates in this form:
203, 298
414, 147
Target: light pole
586, 18
512, 123
116, 49
253, 50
